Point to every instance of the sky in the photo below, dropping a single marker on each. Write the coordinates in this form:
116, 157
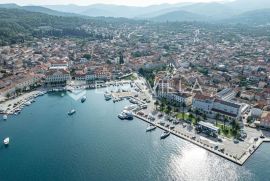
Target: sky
88, 2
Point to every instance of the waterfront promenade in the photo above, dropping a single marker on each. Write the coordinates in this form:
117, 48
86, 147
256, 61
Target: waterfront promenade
9, 106
203, 143
237, 153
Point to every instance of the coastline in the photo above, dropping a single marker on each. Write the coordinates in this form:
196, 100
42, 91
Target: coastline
239, 161
16, 104
9, 109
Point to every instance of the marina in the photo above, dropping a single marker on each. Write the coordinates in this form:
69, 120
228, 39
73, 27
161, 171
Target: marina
139, 102
235, 155
98, 136
15, 106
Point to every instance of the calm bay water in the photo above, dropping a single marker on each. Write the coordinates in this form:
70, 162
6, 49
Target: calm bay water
93, 144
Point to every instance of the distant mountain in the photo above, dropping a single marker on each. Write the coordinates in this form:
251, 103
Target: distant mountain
18, 25
249, 5
256, 17
233, 11
211, 10
38, 9
116, 10
48, 11
10, 5
179, 16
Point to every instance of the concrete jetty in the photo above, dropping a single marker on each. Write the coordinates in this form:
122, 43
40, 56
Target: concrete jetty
240, 160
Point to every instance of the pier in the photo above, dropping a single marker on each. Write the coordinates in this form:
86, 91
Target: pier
203, 143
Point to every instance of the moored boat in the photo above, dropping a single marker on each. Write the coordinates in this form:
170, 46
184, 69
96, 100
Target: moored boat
71, 112
28, 103
151, 128
6, 141
5, 117
130, 107
165, 135
107, 96
83, 99
121, 116
126, 115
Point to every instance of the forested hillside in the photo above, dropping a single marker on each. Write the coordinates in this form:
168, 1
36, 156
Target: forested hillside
18, 25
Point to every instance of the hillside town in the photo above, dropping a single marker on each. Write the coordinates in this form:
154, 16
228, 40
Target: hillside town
222, 76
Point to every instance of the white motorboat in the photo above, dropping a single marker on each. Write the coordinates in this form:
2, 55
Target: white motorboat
130, 107
71, 112
28, 103
151, 128
83, 99
165, 135
6, 141
126, 115
5, 117
107, 96
121, 116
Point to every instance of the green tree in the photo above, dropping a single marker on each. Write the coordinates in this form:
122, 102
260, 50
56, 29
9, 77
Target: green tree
87, 56
204, 116
225, 119
184, 106
121, 58
183, 116
109, 62
162, 106
197, 112
217, 118
8, 95
190, 117
156, 104
169, 110
196, 120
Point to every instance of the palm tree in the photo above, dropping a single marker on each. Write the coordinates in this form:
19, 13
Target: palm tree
184, 106
197, 112
169, 110
233, 124
156, 104
198, 119
217, 118
204, 116
190, 117
225, 120
162, 106
183, 115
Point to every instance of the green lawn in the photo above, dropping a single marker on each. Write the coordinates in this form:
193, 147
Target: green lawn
186, 117
226, 131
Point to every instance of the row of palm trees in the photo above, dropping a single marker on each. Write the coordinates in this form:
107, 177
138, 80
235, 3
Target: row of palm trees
178, 107
218, 117
234, 124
